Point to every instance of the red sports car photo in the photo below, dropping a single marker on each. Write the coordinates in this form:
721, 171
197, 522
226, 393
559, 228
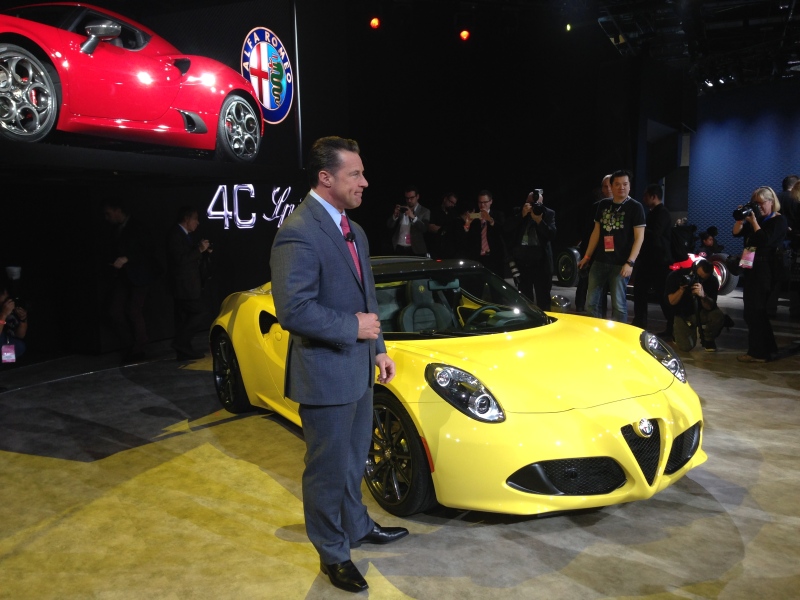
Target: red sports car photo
82, 69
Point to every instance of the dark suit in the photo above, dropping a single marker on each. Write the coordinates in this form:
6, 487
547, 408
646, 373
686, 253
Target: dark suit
130, 285
418, 229
186, 285
328, 370
496, 259
533, 254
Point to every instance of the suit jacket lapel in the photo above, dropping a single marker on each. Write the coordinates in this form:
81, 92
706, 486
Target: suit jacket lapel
330, 229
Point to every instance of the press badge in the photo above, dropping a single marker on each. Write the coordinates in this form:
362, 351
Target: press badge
8, 353
748, 256
608, 243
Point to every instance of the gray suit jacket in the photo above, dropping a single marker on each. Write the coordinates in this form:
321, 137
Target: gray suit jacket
317, 293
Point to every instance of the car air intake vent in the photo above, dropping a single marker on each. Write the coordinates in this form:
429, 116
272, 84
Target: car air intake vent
646, 450
192, 122
569, 477
182, 64
683, 448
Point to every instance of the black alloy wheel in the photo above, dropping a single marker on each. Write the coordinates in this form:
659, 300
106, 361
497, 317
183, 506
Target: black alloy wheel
567, 271
227, 375
29, 95
727, 280
397, 472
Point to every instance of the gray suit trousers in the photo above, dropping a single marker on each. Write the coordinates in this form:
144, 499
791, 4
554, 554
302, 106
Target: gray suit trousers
337, 443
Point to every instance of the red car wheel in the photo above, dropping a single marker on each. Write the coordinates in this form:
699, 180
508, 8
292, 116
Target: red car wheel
239, 130
29, 99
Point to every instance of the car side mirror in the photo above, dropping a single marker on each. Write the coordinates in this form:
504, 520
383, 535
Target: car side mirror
100, 31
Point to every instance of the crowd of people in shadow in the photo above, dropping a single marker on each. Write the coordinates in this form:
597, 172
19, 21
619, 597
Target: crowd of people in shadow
626, 245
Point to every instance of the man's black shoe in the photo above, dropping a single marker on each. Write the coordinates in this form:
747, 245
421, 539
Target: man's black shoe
344, 576
710, 346
189, 355
381, 535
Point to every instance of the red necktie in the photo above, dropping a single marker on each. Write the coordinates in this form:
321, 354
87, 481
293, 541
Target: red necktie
351, 244
484, 238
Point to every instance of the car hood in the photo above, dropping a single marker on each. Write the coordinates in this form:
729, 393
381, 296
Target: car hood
573, 363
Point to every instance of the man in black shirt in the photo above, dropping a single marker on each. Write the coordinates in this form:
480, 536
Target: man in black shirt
615, 243
693, 296
652, 266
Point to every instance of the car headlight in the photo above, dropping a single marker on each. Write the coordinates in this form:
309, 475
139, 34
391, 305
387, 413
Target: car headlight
663, 354
465, 392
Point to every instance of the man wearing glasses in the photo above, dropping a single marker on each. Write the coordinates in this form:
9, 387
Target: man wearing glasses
409, 223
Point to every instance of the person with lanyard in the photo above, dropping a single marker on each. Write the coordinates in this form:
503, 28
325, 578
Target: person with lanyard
619, 223
764, 229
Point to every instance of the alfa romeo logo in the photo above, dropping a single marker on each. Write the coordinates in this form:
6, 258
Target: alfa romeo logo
266, 64
645, 428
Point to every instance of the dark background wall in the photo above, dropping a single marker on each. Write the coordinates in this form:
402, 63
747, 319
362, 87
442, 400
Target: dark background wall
745, 139
523, 104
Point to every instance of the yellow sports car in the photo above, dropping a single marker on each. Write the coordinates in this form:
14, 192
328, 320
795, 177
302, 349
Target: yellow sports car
496, 406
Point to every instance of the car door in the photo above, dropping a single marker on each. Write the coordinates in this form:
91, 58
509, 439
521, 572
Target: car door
118, 80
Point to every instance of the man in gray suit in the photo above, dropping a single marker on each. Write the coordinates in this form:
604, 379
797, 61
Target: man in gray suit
325, 297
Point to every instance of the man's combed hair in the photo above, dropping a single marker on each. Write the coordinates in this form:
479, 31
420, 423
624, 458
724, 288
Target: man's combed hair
184, 213
620, 173
325, 156
655, 189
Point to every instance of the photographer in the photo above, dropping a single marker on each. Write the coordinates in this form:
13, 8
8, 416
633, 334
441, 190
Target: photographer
409, 223
14, 324
763, 230
693, 294
533, 228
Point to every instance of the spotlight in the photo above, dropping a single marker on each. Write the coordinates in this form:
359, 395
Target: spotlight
569, 27
375, 22
709, 83
464, 34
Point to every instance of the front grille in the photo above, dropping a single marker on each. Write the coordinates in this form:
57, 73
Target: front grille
646, 450
569, 477
683, 448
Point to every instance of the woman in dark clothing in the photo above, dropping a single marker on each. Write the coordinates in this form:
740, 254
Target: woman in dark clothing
764, 230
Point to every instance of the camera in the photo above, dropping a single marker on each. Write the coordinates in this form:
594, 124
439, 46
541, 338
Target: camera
740, 214
537, 209
689, 279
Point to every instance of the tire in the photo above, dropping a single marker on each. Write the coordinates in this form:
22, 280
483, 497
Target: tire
238, 130
397, 472
727, 280
567, 267
227, 375
29, 95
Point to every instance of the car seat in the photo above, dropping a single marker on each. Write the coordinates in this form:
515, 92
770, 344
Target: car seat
423, 312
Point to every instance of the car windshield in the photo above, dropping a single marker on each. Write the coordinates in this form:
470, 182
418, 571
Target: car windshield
452, 303
55, 15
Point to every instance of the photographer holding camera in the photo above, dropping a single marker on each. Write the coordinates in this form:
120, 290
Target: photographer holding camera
693, 294
13, 325
534, 227
763, 229
409, 224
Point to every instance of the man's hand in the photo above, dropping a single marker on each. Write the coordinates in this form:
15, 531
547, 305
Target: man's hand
386, 366
7, 308
626, 270
697, 290
120, 262
369, 326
